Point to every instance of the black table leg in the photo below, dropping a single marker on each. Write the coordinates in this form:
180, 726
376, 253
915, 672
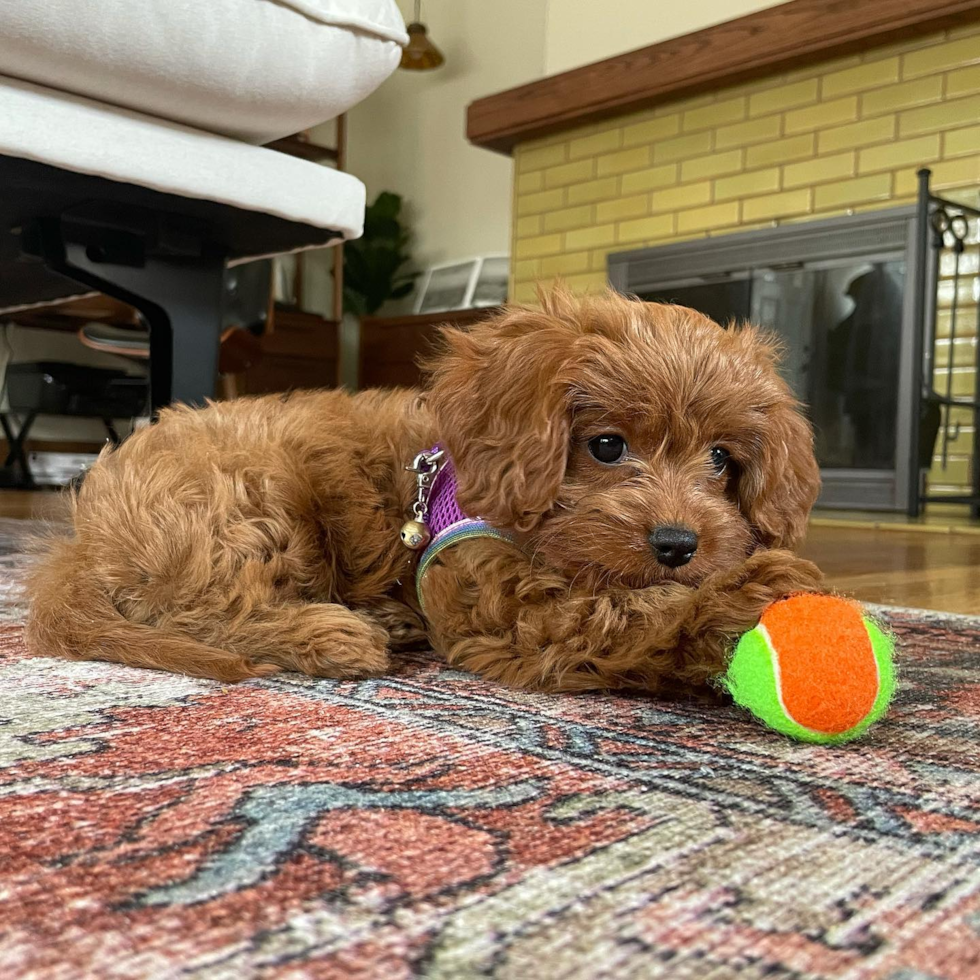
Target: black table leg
17, 467
8, 434
173, 276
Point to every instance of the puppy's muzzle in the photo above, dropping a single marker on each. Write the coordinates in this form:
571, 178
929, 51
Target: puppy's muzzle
673, 545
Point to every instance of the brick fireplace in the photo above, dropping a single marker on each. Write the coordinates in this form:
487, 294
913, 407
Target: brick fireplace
840, 136
833, 138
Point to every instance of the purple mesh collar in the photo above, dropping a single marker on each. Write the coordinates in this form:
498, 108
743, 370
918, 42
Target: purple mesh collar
444, 511
448, 524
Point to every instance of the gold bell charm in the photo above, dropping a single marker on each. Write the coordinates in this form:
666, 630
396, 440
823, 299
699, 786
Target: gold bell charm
415, 535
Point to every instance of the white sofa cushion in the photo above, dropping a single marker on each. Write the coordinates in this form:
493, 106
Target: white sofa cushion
87, 137
252, 69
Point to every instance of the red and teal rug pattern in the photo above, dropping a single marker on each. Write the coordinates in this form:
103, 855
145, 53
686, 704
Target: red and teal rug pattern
431, 824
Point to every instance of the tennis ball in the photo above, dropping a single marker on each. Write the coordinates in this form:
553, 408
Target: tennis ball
815, 669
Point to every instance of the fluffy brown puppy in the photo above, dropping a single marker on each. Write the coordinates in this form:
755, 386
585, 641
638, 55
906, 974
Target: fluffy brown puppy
653, 466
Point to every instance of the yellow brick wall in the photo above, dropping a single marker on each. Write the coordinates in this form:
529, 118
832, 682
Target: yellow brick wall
834, 138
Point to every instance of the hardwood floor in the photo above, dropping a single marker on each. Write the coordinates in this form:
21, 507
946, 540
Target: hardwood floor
926, 568
39, 505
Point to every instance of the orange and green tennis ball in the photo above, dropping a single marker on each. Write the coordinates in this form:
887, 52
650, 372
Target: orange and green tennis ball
815, 668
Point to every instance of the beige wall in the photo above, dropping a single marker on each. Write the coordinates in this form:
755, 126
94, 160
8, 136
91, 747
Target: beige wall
410, 135
578, 32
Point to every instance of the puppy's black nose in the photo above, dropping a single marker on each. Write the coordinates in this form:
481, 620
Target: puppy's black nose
673, 546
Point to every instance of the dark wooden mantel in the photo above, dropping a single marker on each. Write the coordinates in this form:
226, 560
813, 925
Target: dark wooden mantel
790, 34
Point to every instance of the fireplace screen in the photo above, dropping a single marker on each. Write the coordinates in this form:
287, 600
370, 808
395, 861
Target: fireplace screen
836, 293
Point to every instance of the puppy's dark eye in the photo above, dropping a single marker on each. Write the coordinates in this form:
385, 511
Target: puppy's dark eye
720, 458
607, 448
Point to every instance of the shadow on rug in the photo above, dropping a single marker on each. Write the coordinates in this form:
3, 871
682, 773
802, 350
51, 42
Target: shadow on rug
431, 824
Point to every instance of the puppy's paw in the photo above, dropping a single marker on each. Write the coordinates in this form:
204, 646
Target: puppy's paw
329, 640
733, 602
772, 575
405, 627
359, 647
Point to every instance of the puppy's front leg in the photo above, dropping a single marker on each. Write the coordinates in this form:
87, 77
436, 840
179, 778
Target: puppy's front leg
490, 612
730, 603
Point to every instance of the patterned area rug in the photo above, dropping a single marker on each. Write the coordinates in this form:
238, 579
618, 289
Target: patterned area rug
430, 824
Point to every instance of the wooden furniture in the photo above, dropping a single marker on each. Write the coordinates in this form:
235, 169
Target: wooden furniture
300, 145
391, 347
785, 36
298, 350
68, 314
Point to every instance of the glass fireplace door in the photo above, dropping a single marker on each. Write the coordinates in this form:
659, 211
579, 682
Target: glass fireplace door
844, 323
841, 326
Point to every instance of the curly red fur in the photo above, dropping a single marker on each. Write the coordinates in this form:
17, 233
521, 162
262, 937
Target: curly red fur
262, 534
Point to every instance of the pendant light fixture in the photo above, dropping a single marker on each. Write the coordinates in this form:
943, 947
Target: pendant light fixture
421, 54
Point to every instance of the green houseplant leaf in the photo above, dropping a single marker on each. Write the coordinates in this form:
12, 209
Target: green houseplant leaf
374, 263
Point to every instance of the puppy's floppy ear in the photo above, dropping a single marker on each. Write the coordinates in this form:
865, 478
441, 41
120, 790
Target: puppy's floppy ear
500, 395
779, 479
